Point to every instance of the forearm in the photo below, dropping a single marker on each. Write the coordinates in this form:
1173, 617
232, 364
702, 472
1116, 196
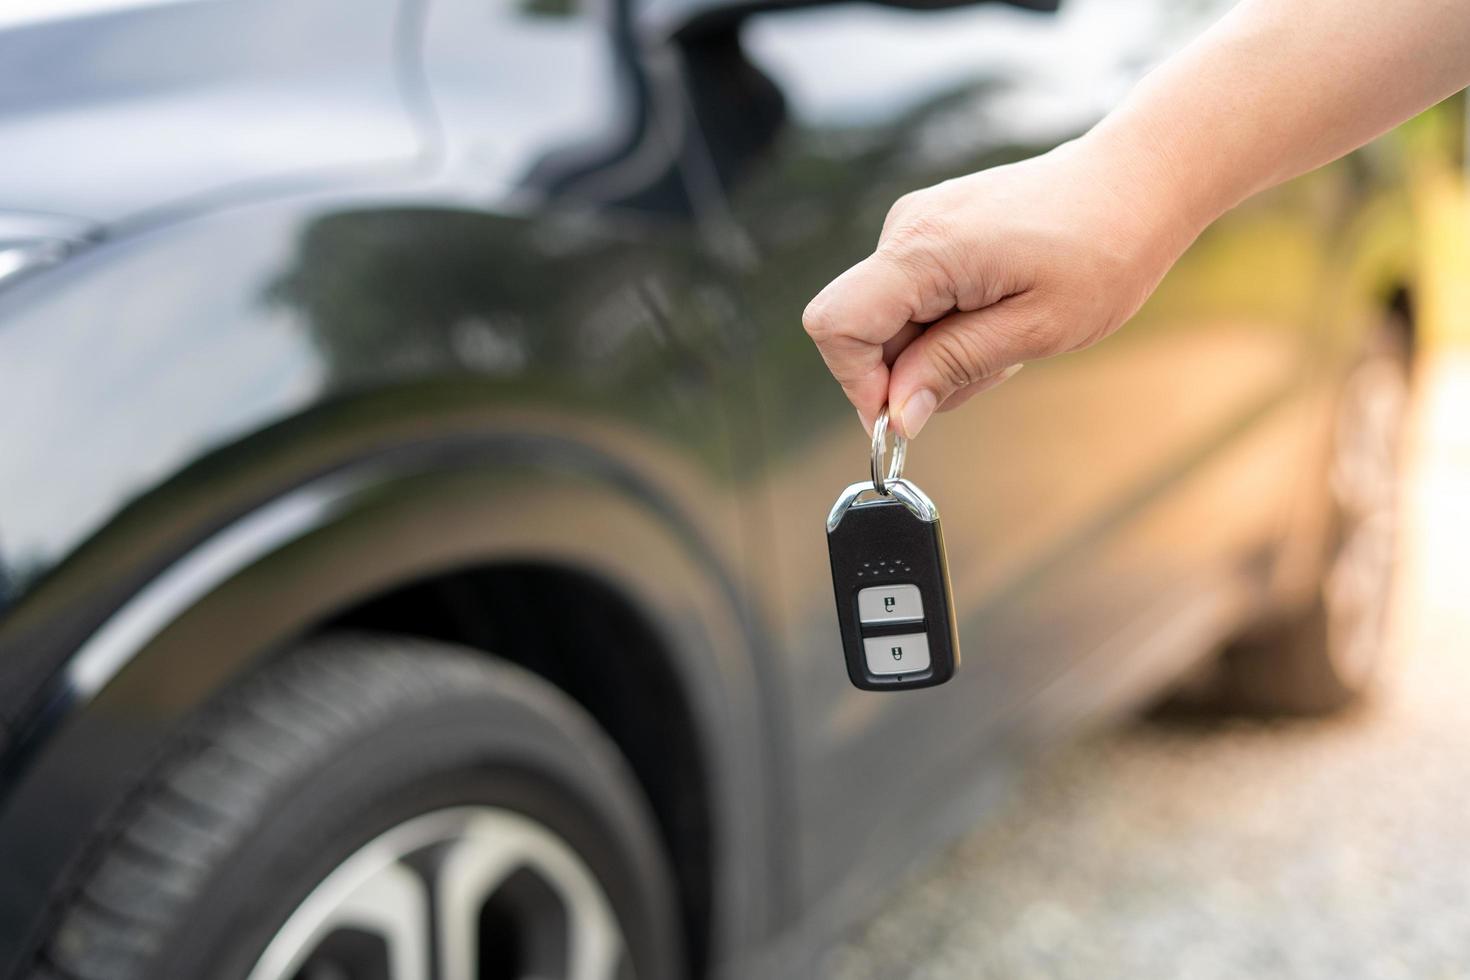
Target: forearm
1278, 88
1054, 253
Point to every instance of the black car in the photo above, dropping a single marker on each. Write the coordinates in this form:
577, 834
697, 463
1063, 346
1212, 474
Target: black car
413, 475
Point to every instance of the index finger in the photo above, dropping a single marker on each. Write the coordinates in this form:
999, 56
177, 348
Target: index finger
851, 320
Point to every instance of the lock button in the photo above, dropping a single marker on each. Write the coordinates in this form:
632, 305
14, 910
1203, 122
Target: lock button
890, 604
903, 654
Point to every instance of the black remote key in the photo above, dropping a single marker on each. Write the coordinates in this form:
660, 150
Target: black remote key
891, 581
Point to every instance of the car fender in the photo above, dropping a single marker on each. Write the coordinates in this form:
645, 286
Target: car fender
403, 513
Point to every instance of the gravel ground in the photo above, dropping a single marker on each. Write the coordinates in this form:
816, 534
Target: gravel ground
1335, 849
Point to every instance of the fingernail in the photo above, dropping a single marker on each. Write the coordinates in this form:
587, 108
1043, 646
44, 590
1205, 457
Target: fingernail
866, 427
916, 411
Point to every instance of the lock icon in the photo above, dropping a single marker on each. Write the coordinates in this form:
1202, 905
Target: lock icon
897, 653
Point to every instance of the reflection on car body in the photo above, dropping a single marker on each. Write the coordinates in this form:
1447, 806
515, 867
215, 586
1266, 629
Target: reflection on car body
468, 336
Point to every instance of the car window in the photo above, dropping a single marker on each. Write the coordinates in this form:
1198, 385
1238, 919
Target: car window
851, 64
500, 104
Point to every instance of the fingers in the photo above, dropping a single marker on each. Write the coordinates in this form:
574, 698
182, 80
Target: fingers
859, 367
891, 348
862, 321
895, 344
955, 359
970, 391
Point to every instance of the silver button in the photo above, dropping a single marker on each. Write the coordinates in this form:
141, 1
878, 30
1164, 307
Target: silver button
890, 604
902, 654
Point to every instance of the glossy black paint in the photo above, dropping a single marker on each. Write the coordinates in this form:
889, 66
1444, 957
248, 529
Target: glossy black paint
358, 294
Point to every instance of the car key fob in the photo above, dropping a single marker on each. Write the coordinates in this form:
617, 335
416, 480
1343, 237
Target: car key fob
891, 579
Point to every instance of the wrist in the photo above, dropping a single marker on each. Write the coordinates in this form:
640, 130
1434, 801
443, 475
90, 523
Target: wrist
1174, 131
1157, 205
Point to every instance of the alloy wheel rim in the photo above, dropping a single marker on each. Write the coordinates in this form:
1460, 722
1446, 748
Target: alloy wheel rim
463, 894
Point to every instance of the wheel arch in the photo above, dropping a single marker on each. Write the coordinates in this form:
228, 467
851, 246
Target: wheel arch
359, 546
546, 617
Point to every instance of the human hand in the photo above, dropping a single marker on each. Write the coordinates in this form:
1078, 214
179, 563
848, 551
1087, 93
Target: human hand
1018, 262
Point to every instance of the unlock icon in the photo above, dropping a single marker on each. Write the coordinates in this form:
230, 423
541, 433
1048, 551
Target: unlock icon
888, 602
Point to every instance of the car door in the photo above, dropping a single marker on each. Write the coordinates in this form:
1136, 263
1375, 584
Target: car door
1099, 509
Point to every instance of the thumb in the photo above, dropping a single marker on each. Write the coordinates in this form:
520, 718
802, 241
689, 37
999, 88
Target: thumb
967, 351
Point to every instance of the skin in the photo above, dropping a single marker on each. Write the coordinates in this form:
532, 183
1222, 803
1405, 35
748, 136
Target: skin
976, 275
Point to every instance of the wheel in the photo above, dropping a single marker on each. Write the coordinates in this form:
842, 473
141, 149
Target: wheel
1327, 656
371, 808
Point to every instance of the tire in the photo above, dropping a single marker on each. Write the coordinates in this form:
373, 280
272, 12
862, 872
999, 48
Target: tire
1327, 656
375, 772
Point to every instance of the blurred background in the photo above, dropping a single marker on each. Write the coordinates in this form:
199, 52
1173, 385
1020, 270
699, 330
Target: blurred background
1194, 846
412, 477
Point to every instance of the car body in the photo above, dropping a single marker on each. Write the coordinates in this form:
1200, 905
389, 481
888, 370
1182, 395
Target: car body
390, 315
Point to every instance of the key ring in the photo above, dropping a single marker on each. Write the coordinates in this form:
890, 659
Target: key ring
880, 447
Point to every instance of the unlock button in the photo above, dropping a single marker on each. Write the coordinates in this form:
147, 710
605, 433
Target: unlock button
897, 654
890, 604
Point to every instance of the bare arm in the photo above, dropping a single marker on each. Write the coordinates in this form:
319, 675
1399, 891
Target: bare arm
1279, 88
1055, 253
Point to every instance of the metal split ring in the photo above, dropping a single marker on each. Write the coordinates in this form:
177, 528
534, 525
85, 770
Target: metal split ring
880, 448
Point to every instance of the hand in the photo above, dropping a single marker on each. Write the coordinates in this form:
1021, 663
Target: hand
973, 276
